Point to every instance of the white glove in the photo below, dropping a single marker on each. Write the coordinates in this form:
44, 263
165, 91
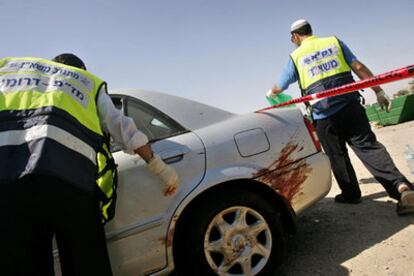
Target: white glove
270, 94
384, 101
167, 174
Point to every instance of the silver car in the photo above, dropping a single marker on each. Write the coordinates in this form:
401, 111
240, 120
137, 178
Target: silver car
244, 179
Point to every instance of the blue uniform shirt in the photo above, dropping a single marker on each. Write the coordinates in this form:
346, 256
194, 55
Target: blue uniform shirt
289, 76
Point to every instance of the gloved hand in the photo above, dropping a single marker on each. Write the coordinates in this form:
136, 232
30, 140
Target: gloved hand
384, 101
269, 94
167, 174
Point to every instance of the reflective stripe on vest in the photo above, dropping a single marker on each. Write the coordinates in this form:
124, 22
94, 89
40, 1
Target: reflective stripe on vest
43, 103
18, 137
317, 59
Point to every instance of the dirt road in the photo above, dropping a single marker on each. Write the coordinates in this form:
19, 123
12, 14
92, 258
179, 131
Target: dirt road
364, 239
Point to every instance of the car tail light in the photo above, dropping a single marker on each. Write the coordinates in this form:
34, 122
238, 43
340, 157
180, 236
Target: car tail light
313, 134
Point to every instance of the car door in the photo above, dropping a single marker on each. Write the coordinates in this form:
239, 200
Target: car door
137, 234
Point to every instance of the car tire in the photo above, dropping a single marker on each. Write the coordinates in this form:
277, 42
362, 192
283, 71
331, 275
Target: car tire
233, 232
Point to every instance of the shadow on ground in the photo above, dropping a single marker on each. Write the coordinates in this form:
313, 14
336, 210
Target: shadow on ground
332, 233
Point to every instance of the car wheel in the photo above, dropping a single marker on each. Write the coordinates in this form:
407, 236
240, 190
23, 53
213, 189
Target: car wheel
234, 232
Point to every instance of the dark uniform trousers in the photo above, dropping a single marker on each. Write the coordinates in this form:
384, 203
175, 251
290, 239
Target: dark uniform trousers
350, 126
34, 209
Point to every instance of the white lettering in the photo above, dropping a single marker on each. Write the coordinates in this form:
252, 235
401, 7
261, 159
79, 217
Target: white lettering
323, 68
319, 55
29, 82
43, 68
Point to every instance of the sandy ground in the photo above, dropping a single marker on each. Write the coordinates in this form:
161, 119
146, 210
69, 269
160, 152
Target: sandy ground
364, 239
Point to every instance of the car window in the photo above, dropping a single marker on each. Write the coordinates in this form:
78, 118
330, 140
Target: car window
117, 102
155, 124
150, 121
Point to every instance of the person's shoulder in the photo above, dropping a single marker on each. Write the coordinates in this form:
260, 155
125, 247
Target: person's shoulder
335, 38
330, 37
342, 43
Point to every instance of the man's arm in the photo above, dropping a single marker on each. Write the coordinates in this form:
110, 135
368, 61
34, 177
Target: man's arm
124, 131
357, 67
364, 73
287, 77
145, 152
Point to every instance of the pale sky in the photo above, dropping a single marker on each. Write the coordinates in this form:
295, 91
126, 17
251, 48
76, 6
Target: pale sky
226, 53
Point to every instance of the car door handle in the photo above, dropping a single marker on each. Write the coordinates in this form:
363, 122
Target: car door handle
172, 156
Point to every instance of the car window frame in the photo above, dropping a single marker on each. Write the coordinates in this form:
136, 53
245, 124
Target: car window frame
125, 99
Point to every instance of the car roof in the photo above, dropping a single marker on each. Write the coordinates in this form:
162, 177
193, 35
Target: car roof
190, 114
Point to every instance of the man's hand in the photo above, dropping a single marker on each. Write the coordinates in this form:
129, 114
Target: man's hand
383, 101
167, 174
270, 94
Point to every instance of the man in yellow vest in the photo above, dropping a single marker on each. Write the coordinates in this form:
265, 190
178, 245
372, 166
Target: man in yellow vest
319, 64
57, 175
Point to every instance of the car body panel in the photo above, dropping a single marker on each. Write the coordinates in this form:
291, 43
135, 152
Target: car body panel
290, 145
143, 211
313, 188
190, 114
268, 149
241, 147
244, 143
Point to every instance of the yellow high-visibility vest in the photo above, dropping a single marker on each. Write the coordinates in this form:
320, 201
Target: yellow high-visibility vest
321, 65
318, 58
49, 125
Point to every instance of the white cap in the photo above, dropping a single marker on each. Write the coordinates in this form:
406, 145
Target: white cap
298, 24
